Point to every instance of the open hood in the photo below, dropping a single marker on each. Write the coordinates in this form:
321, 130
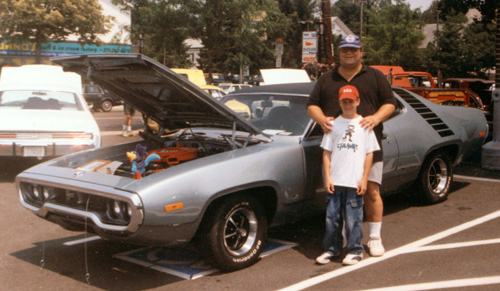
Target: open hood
155, 90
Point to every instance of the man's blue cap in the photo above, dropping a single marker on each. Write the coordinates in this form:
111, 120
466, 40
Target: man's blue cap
350, 40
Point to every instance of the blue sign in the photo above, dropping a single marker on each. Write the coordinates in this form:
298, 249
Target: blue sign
50, 49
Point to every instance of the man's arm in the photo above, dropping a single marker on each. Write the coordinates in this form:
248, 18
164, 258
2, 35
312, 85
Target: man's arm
319, 117
382, 114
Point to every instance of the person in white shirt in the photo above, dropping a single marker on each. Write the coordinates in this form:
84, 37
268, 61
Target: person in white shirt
347, 159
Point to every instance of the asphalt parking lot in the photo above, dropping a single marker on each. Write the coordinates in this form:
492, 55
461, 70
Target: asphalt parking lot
451, 245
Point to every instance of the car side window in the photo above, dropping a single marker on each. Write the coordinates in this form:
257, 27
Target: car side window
93, 89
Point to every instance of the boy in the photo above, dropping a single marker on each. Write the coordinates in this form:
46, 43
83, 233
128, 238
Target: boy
347, 159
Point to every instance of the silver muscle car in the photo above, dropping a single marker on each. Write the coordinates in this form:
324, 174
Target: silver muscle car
219, 173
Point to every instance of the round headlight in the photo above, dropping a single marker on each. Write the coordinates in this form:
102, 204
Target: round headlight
129, 210
46, 193
35, 192
116, 208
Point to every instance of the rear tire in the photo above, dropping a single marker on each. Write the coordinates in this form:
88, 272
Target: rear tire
234, 233
435, 178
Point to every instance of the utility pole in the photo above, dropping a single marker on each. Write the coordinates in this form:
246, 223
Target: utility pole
490, 158
327, 19
361, 4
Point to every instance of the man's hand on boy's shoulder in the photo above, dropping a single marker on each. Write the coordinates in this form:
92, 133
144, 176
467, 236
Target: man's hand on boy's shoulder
327, 124
369, 122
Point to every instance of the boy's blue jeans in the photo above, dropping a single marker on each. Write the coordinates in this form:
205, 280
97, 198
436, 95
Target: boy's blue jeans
344, 200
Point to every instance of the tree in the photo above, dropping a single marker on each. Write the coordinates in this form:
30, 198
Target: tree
238, 34
462, 50
40, 21
301, 17
162, 27
394, 36
349, 13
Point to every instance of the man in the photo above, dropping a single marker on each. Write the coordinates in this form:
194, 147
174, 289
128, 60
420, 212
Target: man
377, 104
129, 112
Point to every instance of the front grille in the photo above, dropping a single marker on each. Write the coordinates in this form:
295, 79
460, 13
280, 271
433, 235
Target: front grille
109, 211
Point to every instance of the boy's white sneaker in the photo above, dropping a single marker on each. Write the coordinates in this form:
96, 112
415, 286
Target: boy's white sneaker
324, 258
375, 247
352, 259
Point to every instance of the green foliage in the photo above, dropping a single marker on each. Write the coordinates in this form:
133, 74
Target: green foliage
393, 37
163, 26
242, 33
238, 34
40, 21
349, 13
462, 50
300, 14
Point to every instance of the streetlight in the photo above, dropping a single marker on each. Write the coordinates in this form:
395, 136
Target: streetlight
320, 24
141, 42
361, 18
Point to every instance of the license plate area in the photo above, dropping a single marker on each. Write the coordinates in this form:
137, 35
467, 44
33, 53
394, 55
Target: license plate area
35, 151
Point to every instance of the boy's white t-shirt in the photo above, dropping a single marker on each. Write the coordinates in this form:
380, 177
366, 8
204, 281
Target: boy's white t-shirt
349, 144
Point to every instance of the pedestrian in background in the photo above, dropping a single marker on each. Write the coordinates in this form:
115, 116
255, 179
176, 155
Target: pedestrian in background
129, 112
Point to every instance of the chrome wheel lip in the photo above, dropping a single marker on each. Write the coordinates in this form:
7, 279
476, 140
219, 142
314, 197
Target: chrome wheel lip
438, 176
240, 231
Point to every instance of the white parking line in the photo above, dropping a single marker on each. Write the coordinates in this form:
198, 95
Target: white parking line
443, 284
411, 247
80, 241
476, 178
456, 245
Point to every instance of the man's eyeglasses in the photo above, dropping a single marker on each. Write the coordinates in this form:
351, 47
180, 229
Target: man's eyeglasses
348, 49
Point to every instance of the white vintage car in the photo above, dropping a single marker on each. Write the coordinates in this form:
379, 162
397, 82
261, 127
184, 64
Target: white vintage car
43, 113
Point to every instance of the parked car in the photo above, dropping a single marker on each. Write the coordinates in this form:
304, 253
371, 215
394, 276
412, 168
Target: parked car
198, 78
218, 78
479, 87
100, 98
43, 113
216, 92
231, 87
423, 84
220, 180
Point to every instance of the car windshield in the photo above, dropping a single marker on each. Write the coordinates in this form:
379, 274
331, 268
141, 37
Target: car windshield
272, 114
39, 100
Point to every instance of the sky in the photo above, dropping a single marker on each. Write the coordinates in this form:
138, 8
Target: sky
422, 4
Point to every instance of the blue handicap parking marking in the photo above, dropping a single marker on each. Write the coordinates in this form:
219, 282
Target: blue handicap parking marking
185, 262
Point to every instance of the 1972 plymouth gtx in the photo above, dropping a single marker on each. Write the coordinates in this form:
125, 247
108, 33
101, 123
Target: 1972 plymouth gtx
219, 176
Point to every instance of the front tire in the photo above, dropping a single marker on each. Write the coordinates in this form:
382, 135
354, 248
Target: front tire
435, 178
234, 233
106, 105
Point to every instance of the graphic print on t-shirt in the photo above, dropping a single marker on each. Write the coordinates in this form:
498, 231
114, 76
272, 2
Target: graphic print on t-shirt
346, 142
348, 133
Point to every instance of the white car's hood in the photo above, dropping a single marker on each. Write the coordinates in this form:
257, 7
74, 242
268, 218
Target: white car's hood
37, 120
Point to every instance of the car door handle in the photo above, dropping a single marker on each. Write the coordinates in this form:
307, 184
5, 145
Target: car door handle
384, 135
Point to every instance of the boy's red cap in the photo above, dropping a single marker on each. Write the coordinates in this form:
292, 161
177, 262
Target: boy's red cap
348, 91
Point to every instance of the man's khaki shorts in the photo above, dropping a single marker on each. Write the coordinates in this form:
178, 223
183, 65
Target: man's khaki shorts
376, 173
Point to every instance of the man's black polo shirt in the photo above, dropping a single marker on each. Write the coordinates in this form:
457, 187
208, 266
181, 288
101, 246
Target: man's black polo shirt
374, 91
